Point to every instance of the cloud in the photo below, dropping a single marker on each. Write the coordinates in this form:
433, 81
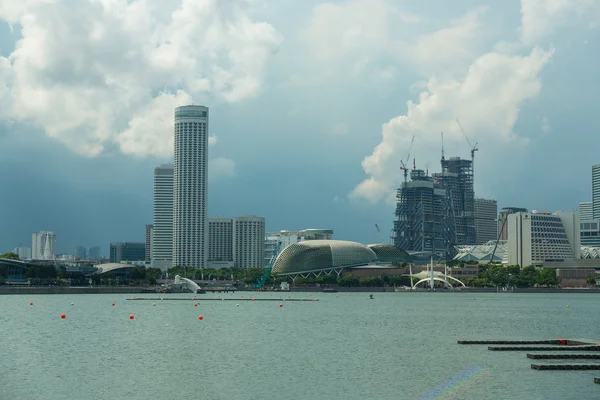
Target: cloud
212, 140
97, 73
220, 168
487, 100
341, 128
545, 125
539, 18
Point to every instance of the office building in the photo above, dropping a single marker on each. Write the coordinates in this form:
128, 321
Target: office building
423, 222
162, 227
249, 241
190, 228
586, 211
43, 245
24, 253
596, 191
220, 239
590, 232
486, 220
127, 251
80, 252
149, 229
94, 253
540, 237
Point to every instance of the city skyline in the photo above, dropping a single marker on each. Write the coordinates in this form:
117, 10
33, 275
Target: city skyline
310, 128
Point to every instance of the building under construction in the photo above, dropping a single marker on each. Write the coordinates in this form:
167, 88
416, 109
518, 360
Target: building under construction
422, 216
435, 213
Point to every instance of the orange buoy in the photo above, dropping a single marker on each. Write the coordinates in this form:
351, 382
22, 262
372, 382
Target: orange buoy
200, 317
336, 297
253, 299
314, 299
195, 304
113, 304
31, 303
63, 316
280, 305
131, 316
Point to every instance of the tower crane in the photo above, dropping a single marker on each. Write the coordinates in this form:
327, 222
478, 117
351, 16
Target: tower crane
404, 166
474, 148
379, 231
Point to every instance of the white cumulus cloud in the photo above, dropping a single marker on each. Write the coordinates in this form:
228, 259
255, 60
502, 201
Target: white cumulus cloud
220, 168
100, 73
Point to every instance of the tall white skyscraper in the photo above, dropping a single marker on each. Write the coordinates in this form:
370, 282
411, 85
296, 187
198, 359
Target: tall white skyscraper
586, 211
220, 239
596, 191
162, 228
249, 242
190, 227
43, 245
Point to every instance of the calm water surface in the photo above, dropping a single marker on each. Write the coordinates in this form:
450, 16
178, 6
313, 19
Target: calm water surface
397, 346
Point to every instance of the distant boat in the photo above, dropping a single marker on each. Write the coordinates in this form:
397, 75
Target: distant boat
330, 290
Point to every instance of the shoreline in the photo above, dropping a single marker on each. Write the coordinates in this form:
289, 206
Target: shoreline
20, 290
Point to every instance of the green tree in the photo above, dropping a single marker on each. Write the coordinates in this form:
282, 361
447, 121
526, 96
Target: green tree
10, 256
348, 280
547, 277
62, 272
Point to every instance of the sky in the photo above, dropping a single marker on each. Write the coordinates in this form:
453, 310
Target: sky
313, 105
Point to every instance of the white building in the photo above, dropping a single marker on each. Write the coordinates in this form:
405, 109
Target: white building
249, 241
43, 245
24, 253
220, 239
486, 220
596, 191
162, 228
149, 231
190, 228
540, 237
275, 242
586, 211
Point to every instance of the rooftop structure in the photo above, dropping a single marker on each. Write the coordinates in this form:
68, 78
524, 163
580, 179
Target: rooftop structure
482, 254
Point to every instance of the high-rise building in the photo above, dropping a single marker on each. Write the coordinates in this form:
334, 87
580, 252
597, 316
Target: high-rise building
149, 229
586, 211
162, 231
486, 220
80, 252
24, 253
590, 232
190, 228
538, 237
457, 178
249, 241
423, 222
43, 245
127, 251
220, 239
94, 253
596, 191
503, 221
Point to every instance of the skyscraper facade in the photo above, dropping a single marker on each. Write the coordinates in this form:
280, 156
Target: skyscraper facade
80, 252
149, 229
586, 211
127, 251
486, 220
162, 232
43, 245
190, 228
220, 239
249, 241
596, 191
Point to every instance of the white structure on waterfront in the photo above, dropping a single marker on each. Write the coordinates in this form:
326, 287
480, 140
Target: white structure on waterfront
538, 237
149, 231
249, 241
495, 251
43, 245
282, 239
24, 253
220, 239
586, 211
162, 228
190, 228
486, 220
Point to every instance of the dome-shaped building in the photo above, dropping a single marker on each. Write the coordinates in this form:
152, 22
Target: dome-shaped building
388, 253
321, 255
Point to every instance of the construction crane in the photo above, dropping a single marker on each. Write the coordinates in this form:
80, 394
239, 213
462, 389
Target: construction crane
404, 166
474, 148
379, 231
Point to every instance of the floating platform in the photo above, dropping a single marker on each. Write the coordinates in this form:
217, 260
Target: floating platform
563, 356
565, 367
544, 348
553, 341
214, 299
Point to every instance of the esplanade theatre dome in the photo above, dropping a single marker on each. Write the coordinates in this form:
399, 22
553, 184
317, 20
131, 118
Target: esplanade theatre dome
388, 253
315, 255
